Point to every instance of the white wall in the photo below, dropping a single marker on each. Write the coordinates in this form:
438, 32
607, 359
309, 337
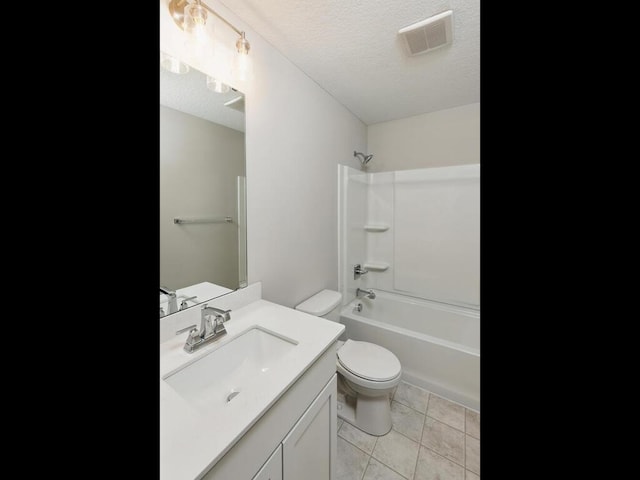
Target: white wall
296, 135
444, 138
200, 162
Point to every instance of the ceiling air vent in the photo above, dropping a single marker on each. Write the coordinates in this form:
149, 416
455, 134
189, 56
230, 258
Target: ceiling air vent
428, 34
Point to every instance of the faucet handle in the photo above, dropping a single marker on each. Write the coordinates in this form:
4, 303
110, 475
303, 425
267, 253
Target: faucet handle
224, 315
192, 339
190, 327
184, 303
358, 270
167, 292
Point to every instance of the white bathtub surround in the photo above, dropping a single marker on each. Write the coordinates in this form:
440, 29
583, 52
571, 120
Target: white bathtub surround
419, 230
419, 446
438, 345
192, 440
436, 247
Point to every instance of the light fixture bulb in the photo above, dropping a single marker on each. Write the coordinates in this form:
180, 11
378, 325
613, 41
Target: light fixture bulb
172, 64
195, 19
216, 85
197, 12
243, 45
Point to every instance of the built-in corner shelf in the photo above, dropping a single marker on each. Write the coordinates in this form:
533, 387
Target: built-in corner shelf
376, 228
376, 266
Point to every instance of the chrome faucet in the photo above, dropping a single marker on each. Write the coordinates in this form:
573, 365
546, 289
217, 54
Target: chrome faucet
368, 293
208, 331
173, 299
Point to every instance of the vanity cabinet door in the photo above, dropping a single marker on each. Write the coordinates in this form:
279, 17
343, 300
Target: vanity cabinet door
309, 450
272, 470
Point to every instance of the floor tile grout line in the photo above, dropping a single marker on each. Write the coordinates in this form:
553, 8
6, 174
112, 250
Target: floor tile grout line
400, 433
464, 453
409, 407
445, 423
465, 420
370, 455
390, 468
465, 426
424, 421
439, 396
464, 443
364, 472
440, 455
354, 445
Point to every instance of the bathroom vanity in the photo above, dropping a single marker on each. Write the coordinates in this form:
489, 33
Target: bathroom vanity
260, 403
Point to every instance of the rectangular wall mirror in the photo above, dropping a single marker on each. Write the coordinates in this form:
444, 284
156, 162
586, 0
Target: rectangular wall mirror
202, 190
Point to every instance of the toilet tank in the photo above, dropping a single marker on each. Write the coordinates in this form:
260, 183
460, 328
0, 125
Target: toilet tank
325, 304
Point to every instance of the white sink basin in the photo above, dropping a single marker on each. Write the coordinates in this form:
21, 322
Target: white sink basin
219, 376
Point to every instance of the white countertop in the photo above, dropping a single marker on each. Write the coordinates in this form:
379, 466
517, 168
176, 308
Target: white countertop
192, 440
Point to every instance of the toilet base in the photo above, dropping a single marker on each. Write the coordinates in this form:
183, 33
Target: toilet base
372, 415
346, 407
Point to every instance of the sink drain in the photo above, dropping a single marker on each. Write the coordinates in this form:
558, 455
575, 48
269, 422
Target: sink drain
231, 396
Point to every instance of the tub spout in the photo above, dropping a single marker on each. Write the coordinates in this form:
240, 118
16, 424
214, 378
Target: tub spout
368, 293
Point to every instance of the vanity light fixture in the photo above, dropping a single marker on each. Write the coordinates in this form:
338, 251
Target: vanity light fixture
192, 18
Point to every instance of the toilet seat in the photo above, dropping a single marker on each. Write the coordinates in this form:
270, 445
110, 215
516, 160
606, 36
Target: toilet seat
368, 364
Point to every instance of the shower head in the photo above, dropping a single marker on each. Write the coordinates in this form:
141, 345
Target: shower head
364, 159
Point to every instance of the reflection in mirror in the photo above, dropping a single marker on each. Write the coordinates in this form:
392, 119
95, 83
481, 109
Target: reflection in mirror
202, 190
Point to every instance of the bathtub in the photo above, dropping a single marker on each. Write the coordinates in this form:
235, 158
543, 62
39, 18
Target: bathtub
438, 345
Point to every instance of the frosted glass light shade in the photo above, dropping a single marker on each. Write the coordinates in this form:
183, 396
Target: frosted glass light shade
242, 68
216, 85
172, 64
195, 20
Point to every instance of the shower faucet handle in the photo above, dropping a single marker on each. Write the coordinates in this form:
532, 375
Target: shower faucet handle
358, 270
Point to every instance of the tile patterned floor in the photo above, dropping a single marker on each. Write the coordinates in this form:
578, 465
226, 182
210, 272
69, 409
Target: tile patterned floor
431, 438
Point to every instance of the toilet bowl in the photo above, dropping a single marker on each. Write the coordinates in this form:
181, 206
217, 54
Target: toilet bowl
367, 372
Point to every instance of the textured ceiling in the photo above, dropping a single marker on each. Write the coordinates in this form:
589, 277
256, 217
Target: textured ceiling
188, 93
351, 48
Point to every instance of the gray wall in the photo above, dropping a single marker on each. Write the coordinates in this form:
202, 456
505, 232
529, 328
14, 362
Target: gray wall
438, 139
199, 164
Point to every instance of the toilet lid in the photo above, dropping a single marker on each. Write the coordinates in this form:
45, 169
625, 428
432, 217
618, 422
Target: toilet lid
368, 360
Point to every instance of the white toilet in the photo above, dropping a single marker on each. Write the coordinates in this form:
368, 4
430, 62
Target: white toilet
366, 371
